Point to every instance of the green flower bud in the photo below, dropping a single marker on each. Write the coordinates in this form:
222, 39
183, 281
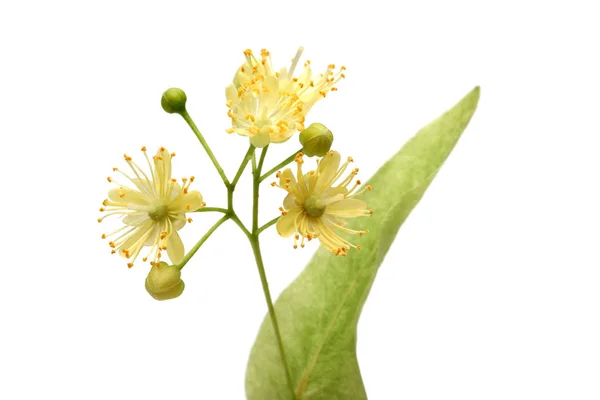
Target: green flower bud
173, 101
316, 140
164, 281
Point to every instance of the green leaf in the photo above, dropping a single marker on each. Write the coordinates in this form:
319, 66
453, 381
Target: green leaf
318, 313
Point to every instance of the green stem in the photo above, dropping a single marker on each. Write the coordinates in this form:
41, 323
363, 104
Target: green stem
247, 158
281, 164
268, 224
192, 125
253, 237
262, 158
239, 223
253, 162
194, 249
209, 209
265, 286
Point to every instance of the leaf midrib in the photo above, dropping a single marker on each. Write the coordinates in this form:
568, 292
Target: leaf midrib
304, 380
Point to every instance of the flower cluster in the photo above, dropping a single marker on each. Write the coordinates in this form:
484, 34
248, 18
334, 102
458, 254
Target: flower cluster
316, 207
153, 208
270, 106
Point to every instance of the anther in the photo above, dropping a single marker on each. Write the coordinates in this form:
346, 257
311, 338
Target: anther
173, 154
101, 209
162, 149
115, 169
109, 179
104, 236
369, 188
129, 265
99, 219
273, 183
189, 220
143, 148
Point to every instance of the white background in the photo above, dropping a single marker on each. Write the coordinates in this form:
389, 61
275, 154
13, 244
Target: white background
492, 289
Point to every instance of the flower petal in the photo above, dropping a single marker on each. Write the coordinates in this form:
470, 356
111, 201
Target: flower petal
135, 219
286, 224
347, 208
126, 196
175, 248
287, 178
231, 93
178, 222
189, 202
162, 168
289, 201
327, 170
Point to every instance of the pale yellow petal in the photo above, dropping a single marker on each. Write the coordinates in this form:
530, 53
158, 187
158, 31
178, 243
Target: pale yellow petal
162, 167
194, 199
137, 239
286, 224
191, 201
347, 208
128, 196
175, 248
136, 219
287, 178
178, 222
327, 170
231, 93
289, 201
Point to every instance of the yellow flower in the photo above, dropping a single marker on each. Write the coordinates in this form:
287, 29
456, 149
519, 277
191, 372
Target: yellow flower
270, 106
314, 208
152, 208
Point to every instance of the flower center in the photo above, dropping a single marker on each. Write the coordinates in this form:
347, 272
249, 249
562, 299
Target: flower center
159, 213
313, 207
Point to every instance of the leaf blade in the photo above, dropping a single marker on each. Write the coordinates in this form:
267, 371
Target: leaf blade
318, 313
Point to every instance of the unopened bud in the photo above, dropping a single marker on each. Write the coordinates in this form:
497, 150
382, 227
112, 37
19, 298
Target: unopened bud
316, 140
173, 101
164, 281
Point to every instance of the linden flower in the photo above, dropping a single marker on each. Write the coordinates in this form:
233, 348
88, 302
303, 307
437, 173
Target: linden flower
153, 210
314, 208
270, 106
